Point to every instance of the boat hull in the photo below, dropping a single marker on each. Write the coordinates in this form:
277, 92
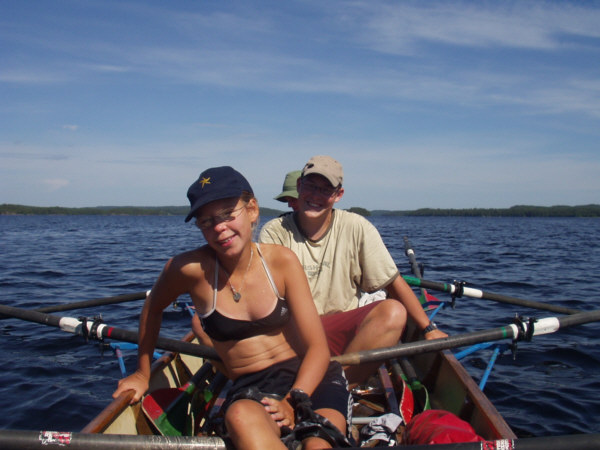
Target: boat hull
449, 386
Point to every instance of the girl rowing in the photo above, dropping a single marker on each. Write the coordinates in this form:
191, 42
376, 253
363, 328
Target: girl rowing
252, 303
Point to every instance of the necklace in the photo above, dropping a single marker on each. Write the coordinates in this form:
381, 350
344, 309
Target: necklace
237, 295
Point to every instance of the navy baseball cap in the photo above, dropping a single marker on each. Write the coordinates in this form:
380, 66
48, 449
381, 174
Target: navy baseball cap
213, 184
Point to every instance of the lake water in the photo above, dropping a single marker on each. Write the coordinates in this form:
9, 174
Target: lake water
54, 380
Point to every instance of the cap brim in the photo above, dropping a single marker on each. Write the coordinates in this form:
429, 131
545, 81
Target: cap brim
282, 197
210, 199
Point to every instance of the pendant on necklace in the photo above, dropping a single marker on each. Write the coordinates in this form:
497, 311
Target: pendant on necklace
237, 295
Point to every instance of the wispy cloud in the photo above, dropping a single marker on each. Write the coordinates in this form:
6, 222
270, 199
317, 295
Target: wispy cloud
54, 184
32, 75
249, 57
403, 26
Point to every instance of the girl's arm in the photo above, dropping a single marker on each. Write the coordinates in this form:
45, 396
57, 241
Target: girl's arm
308, 327
307, 321
163, 293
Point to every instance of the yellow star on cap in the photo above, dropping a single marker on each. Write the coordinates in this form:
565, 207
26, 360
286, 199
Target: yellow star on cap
204, 181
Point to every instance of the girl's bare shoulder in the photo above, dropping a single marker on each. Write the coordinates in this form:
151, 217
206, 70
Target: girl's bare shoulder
197, 258
278, 254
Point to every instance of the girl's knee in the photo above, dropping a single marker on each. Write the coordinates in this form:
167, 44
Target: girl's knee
249, 426
240, 413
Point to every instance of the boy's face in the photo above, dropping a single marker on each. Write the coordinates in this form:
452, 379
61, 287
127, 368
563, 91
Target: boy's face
317, 195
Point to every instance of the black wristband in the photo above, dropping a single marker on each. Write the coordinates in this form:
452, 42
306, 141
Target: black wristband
432, 326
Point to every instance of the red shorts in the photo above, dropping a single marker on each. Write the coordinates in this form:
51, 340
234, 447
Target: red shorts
340, 328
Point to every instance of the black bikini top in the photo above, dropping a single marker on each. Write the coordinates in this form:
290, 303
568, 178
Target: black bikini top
223, 328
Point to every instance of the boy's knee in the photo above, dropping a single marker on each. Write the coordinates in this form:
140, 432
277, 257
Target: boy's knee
391, 313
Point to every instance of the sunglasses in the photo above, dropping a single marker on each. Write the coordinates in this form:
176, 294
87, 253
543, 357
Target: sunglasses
314, 189
227, 215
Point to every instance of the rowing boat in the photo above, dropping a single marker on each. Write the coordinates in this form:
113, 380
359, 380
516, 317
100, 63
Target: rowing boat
440, 382
447, 383
437, 378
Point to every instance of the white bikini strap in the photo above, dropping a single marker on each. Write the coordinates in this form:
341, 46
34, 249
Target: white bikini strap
264, 263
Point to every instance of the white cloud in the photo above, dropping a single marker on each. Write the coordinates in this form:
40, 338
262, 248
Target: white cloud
54, 184
400, 26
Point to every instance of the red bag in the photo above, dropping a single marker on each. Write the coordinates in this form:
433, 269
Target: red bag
438, 427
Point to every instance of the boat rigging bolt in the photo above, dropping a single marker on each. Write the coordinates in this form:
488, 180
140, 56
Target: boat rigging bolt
458, 291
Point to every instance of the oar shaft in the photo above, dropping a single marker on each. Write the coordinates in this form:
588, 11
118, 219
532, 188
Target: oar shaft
94, 302
414, 348
476, 293
90, 303
579, 319
410, 253
72, 325
512, 331
21, 439
18, 439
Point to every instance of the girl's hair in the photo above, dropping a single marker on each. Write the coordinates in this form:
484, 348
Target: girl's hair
246, 197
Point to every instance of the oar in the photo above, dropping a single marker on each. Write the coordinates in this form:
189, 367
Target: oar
21, 440
390, 394
414, 266
420, 395
94, 330
100, 331
476, 293
91, 303
95, 302
522, 330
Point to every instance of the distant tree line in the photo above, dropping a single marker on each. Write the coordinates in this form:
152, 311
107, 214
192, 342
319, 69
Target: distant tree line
514, 211
362, 211
7, 209
97, 210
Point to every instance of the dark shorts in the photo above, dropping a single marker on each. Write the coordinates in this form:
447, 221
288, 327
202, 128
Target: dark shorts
340, 328
278, 379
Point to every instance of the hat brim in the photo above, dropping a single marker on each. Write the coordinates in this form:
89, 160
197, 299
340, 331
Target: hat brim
282, 197
199, 204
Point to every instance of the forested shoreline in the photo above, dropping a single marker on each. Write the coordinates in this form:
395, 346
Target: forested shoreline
592, 210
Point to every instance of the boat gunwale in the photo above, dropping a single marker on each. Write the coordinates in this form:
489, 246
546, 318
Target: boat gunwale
117, 406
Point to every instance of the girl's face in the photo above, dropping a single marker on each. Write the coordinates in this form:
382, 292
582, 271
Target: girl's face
227, 224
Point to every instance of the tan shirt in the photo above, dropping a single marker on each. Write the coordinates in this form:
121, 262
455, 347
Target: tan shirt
350, 258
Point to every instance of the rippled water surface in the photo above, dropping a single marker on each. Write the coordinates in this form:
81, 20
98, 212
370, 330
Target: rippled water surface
54, 380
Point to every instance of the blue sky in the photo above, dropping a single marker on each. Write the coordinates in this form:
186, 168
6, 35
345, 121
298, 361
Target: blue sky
426, 104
